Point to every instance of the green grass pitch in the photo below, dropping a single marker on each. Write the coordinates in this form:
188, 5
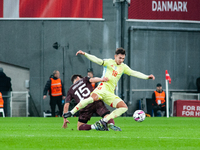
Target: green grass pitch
156, 133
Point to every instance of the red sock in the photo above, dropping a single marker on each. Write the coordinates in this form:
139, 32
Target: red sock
85, 127
111, 121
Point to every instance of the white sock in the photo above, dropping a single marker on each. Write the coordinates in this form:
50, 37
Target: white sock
105, 120
92, 126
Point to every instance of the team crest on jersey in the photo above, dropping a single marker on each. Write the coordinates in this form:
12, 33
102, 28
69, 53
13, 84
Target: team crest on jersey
120, 69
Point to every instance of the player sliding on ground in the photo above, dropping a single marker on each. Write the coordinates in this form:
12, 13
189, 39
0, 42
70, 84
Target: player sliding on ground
113, 70
81, 90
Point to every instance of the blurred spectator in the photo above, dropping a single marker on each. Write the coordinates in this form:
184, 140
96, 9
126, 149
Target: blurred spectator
1, 100
159, 101
5, 88
5, 82
91, 75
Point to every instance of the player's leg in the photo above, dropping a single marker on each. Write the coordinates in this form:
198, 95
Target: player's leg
102, 111
111, 125
121, 108
112, 100
80, 105
85, 102
83, 126
84, 116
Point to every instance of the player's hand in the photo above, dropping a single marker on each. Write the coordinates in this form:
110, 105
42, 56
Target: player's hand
44, 96
80, 52
151, 77
63, 97
105, 79
65, 123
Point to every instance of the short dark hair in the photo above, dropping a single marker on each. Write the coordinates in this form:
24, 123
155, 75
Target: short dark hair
120, 51
158, 85
75, 76
90, 70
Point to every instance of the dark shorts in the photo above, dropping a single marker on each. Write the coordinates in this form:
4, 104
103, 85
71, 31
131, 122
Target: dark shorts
96, 107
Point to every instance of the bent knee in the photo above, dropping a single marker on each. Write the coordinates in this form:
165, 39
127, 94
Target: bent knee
121, 104
95, 96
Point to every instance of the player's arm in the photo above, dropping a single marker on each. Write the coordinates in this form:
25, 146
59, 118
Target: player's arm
141, 75
137, 74
65, 110
91, 57
96, 79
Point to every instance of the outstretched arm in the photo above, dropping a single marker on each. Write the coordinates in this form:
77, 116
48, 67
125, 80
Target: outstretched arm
141, 75
91, 57
96, 79
137, 74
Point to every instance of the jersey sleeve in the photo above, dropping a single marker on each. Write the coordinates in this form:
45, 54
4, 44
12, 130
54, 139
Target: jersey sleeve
134, 73
69, 97
94, 59
106, 62
86, 79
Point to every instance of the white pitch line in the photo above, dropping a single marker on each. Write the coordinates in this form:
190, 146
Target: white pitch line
124, 137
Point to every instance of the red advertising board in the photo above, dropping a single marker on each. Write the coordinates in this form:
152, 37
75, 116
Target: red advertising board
187, 108
51, 8
61, 8
1, 8
164, 10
